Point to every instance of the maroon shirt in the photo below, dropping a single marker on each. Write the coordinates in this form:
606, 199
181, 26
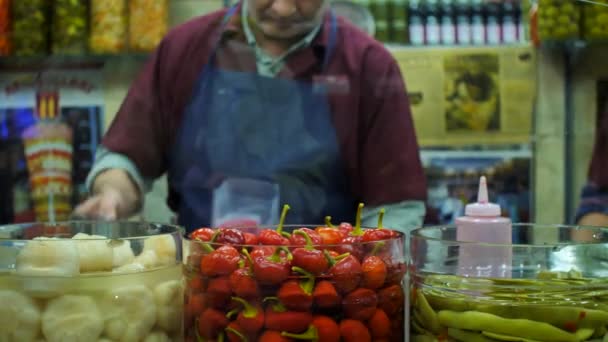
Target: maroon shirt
370, 108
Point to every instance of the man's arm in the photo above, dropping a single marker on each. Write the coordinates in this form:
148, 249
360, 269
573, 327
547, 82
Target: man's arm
392, 173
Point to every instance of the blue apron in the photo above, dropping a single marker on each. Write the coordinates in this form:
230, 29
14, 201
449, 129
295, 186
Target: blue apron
243, 125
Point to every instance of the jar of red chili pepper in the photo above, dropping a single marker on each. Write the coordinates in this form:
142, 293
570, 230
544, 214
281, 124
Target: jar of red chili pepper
288, 283
5, 24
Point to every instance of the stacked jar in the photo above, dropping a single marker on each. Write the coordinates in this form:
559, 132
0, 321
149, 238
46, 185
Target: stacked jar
558, 20
5, 24
148, 24
30, 27
108, 26
595, 22
69, 30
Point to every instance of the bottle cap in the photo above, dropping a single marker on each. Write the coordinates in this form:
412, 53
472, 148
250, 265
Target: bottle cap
482, 207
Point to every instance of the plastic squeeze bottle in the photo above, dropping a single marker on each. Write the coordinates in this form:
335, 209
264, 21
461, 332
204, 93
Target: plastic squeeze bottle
481, 224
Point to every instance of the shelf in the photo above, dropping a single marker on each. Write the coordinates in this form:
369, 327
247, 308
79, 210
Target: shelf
16, 63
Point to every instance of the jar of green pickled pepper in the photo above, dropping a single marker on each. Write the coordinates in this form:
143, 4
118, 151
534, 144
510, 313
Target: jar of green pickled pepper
558, 20
30, 27
69, 31
380, 13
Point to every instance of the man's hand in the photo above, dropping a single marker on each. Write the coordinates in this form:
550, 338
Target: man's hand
591, 219
115, 196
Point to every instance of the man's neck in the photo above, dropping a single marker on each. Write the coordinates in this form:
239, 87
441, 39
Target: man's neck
273, 47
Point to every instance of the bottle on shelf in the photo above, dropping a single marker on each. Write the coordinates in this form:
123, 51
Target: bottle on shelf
416, 27
379, 10
492, 20
463, 22
478, 31
509, 30
399, 31
432, 19
448, 26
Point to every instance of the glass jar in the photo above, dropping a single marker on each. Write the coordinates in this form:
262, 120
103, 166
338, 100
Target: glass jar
91, 281
108, 26
148, 24
69, 33
595, 20
558, 20
263, 283
30, 27
5, 26
550, 286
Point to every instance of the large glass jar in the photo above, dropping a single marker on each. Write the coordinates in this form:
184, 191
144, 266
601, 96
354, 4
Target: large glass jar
108, 26
558, 20
550, 286
91, 281
5, 26
148, 24
69, 32
325, 284
30, 27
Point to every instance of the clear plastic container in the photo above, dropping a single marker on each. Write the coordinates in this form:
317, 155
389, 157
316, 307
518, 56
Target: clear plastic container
558, 20
69, 32
148, 24
91, 281
5, 27
108, 26
247, 282
555, 288
30, 27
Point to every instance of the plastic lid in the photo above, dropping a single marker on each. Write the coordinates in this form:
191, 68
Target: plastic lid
482, 207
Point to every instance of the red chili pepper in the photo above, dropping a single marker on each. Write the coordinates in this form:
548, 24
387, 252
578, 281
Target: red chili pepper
262, 251
196, 304
273, 269
379, 233
220, 262
345, 272
374, 272
230, 236
351, 245
325, 295
250, 239
330, 235
250, 318
354, 331
279, 319
309, 258
202, 234
218, 292
297, 295
395, 273
300, 240
234, 333
321, 329
358, 231
360, 304
391, 299
273, 336
278, 237
211, 323
196, 284
243, 284
379, 325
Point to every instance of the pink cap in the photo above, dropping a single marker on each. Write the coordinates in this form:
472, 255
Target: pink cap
482, 207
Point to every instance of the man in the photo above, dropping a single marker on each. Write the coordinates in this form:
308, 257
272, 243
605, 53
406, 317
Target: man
275, 90
593, 208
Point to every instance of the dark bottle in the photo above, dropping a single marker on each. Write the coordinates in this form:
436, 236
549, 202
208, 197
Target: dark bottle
448, 23
478, 31
492, 20
432, 27
463, 22
415, 23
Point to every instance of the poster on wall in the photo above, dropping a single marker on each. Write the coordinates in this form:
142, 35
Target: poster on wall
470, 95
50, 126
453, 179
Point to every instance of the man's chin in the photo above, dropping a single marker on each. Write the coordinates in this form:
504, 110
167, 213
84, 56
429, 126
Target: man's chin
279, 33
